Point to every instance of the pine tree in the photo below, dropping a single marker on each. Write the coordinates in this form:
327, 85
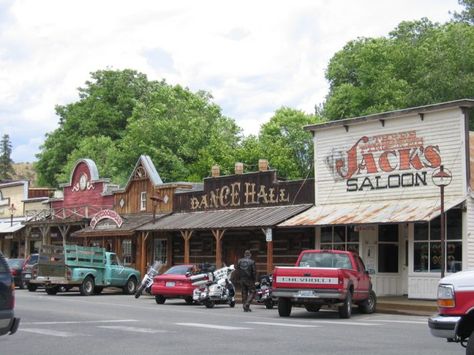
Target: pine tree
6, 163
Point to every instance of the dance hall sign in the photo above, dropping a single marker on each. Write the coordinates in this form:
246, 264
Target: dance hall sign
388, 161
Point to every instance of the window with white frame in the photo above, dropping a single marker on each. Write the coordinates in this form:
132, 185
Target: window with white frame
160, 250
143, 201
340, 238
427, 244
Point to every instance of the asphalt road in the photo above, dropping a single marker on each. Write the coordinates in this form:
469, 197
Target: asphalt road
117, 324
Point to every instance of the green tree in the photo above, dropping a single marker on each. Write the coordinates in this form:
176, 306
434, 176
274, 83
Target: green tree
467, 15
104, 106
284, 143
183, 132
419, 63
101, 150
6, 163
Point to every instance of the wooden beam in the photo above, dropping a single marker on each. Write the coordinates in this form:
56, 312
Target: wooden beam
269, 257
186, 236
218, 234
64, 230
142, 254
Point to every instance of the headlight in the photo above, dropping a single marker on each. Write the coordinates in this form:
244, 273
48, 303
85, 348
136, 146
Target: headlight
446, 296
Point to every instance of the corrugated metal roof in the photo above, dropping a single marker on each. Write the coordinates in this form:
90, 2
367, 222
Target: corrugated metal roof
416, 210
130, 224
8, 229
225, 219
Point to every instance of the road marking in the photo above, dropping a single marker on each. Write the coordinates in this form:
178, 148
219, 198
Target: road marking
400, 321
54, 333
132, 329
82, 322
211, 326
286, 325
344, 323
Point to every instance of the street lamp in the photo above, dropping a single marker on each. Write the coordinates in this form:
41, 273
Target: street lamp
155, 199
12, 210
442, 178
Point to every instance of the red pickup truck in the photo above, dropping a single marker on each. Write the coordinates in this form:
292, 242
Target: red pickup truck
455, 321
331, 278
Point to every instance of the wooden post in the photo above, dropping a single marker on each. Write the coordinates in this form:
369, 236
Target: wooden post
64, 230
186, 236
142, 253
269, 257
218, 234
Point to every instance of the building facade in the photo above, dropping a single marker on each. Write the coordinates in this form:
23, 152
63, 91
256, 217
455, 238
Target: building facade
376, 194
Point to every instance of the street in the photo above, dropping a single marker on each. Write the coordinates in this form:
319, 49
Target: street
117, 324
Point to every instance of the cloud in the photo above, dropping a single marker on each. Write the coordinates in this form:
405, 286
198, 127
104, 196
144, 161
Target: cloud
253, 56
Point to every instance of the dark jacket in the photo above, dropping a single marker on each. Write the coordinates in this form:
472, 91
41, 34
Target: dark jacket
247, 269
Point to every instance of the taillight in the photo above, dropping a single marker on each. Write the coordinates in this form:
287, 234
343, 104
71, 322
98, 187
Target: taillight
446, 296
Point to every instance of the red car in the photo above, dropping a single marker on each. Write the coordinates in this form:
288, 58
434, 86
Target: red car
174, 283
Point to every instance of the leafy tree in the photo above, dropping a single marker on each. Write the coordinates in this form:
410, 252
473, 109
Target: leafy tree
467, 15
419, 63
283, 142
6, 163
104, 106
183, 132
100, 149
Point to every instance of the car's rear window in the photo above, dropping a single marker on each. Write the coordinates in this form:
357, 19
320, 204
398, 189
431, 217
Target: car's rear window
331, 260
178, 270
15, 263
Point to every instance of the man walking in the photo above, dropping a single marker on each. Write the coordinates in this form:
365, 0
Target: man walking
248, 275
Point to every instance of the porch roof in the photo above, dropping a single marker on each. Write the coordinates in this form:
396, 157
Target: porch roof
413, 210
225, 219
130, 224
6, 228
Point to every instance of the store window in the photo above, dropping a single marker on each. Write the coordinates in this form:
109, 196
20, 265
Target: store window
388, 248
128, 251
160, 250
427, 244
340, 238
143, 201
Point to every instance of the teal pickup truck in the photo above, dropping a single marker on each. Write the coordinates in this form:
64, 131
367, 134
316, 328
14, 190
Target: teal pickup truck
89, 268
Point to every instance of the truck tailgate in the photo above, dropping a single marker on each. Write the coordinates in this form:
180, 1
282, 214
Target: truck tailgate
310, 278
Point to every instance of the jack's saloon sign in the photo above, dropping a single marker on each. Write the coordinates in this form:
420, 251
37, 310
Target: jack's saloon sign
387, 161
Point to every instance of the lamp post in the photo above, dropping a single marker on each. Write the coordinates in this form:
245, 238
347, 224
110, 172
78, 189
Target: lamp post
442, 177
155, 199
12, 210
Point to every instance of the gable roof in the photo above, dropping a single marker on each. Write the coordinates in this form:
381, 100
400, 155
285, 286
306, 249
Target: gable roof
147, 164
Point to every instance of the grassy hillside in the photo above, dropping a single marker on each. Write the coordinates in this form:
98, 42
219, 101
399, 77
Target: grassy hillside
25, 171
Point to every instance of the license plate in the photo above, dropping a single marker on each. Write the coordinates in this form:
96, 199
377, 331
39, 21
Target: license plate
170, 284
27, 276
305, 293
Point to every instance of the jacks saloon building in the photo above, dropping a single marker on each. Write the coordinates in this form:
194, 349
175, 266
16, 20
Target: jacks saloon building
376, 193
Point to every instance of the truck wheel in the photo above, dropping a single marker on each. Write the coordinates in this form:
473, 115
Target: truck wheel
312, 307
52, 290
32, 287
368, 306
131, 286
160, 299
87, 286
345, 311
470, 345
284, 307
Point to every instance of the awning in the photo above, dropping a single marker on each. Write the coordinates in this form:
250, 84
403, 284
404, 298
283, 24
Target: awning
416, 210
129, 226
8, 229
226, 219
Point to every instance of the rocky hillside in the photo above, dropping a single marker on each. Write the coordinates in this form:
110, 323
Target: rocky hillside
25, 171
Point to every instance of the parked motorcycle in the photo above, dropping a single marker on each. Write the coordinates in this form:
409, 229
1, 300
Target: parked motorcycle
147, 280
264, 291
214, 287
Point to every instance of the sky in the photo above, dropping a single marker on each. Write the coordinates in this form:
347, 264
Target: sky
252, 56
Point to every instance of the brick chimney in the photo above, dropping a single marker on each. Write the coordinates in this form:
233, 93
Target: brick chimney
239, 168
262, 165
